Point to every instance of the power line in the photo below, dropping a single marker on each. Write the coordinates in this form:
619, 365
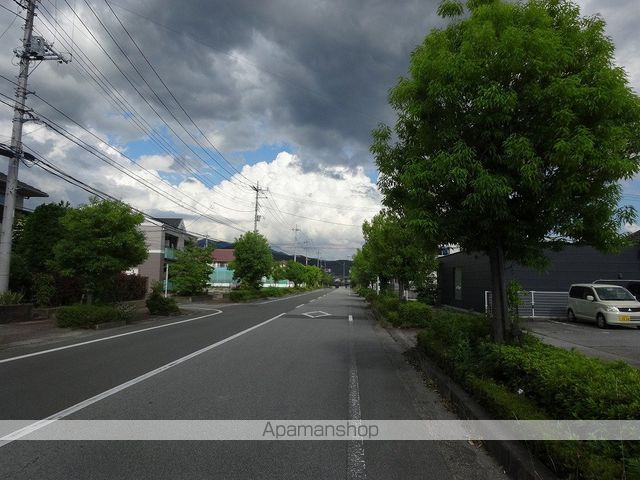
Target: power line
145, 183
150, 88
53, 170
171, 93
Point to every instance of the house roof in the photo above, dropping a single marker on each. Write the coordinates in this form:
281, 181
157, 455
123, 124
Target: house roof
172, 222
223, 255
24, 190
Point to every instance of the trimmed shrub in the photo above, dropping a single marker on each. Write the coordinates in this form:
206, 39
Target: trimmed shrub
414, 314
537, 381
386, 303
242, 295
84, 316
157, 304
11, 298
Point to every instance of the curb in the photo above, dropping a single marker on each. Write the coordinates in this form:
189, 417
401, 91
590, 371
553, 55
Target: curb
517, 461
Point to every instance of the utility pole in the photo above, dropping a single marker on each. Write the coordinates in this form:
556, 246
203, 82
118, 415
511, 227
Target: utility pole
318, 259
306, 256
295, 241
256, 217
33, 48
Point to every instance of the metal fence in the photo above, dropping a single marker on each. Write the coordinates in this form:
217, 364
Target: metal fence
535, 304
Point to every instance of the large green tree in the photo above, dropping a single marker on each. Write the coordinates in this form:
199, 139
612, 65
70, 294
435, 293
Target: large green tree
191, 270
254, 259
99, 240
295, 272
393, 250
514, 129
35, 236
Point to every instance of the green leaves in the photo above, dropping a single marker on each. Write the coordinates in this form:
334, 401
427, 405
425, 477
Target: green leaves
99, 240
253, 259
512, 124
191, 270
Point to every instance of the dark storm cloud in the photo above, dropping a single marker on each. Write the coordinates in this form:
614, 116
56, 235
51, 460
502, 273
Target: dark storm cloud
311, 74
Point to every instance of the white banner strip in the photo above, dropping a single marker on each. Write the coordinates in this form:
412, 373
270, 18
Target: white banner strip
205, 430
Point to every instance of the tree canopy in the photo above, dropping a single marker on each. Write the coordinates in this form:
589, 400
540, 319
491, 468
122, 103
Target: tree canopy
393, 250
514, 129
99, 240
254, 259
191, 270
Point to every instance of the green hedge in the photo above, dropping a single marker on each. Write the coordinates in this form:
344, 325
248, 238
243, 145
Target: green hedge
537, 381
414, 314
158, 304
84, 316
242, 295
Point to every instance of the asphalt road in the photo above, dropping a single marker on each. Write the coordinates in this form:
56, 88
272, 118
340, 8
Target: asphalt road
612, 343
288, 366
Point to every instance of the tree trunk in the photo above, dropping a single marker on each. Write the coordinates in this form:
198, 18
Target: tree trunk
499, 294
401, 289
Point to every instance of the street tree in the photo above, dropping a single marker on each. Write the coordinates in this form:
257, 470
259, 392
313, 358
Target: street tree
514, 129
362, 273
99, 240
312, 276
295, 272
191, 271
254, 260
393, 250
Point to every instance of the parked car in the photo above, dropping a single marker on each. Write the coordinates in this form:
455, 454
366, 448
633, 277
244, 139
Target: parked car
632, 285
603, 303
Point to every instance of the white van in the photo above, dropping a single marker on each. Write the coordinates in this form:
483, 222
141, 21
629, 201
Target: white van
604, 304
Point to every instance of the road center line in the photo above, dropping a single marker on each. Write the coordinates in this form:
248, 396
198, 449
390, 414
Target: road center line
42, 352
356, 466
16, 435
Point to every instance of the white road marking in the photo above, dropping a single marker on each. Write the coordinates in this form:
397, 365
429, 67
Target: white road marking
356, 466
301, 305
277, 299
16, 435
563, 323
350, 318
42, 352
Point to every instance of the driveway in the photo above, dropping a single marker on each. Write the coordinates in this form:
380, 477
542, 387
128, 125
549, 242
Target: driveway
613, 343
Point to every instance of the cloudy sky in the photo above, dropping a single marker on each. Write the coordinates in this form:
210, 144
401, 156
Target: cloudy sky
217, 96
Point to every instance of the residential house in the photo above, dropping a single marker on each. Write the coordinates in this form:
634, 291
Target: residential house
465, 278
222, 275
25, 191
163, 236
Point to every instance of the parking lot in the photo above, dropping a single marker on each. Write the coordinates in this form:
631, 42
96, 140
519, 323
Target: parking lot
613, 343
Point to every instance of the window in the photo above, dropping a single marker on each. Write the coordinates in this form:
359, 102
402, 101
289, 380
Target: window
576, 292
457, 283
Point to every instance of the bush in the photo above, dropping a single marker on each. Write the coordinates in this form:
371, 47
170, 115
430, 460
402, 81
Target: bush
242, 295
157, 304
44, 289
273, 292
11, 298
414, 314
123, 287
84, 316
386, 303
537, 381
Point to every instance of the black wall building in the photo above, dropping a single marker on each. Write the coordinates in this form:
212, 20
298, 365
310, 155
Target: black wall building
463, 278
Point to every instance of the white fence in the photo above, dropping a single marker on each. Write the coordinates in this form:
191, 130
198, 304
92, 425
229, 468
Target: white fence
535, 304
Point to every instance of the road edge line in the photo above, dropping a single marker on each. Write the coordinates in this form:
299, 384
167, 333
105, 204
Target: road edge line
102, 339
16, 435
